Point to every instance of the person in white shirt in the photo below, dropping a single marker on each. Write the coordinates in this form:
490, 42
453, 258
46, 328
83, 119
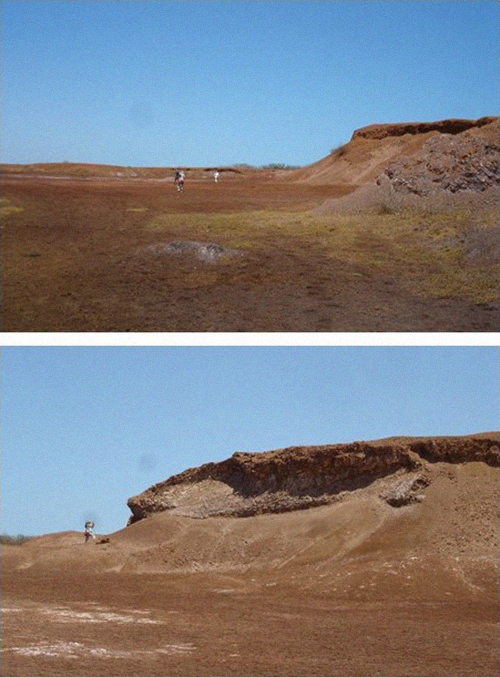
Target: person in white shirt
89, 531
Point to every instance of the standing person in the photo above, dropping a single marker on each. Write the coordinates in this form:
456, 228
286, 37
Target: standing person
216, 175
179, 180
89, 531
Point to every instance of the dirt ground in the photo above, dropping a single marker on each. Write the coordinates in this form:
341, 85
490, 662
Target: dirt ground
353, 588
114, 624
82, 255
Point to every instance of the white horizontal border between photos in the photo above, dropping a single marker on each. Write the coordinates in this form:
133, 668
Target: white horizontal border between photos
250, 339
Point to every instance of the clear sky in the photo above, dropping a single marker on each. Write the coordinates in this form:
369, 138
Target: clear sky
85, 428
156, 83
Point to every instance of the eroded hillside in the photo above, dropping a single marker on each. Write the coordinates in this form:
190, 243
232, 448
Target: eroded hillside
390, 519
301, 477
373, 148
396, 575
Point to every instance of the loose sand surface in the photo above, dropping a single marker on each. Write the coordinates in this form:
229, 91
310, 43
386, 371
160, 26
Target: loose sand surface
352, 588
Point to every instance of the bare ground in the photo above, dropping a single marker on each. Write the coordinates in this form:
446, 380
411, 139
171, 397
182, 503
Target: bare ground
353, 588
113, 624
90, 255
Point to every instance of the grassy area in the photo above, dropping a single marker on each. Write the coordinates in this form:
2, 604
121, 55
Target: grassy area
7, 208
430, 254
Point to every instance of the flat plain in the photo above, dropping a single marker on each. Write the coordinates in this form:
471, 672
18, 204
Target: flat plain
255, 252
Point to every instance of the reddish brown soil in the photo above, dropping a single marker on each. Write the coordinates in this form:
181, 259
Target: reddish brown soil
371, 149
71, 263
113, 624
353, 588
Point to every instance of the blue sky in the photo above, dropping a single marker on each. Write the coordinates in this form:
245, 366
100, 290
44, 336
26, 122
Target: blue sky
156, 83
85, 428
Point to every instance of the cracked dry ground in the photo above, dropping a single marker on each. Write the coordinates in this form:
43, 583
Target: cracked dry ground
75, 258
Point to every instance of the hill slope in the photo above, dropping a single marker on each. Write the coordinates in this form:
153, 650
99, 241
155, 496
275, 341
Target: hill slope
428, 527
420, 511
372, 149
396, 575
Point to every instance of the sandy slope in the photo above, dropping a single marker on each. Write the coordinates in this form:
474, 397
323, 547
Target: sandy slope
455, 521
449, 164
372, 148
357, 587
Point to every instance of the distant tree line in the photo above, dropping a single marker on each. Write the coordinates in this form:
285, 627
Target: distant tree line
272, 165
279, 165
14, 540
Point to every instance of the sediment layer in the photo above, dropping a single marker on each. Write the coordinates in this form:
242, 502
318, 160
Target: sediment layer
295, 478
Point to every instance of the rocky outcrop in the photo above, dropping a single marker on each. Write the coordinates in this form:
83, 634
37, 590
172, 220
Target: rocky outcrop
436, 166
446, 162
407, 490
452, 126
301, 477
465, 162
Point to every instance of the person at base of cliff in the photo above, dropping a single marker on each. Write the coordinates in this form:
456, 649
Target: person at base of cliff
89, 531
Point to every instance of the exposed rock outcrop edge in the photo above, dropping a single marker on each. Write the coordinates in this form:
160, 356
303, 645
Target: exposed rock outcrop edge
449, 126
301, 477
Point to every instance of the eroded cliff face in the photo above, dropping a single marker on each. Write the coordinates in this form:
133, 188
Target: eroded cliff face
451, 126
441, 152
301, 477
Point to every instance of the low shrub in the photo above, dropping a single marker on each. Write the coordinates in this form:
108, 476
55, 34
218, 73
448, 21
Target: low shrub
14, 540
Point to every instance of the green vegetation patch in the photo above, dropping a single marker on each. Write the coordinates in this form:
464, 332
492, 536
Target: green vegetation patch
430, 254
7, 208
237, 230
